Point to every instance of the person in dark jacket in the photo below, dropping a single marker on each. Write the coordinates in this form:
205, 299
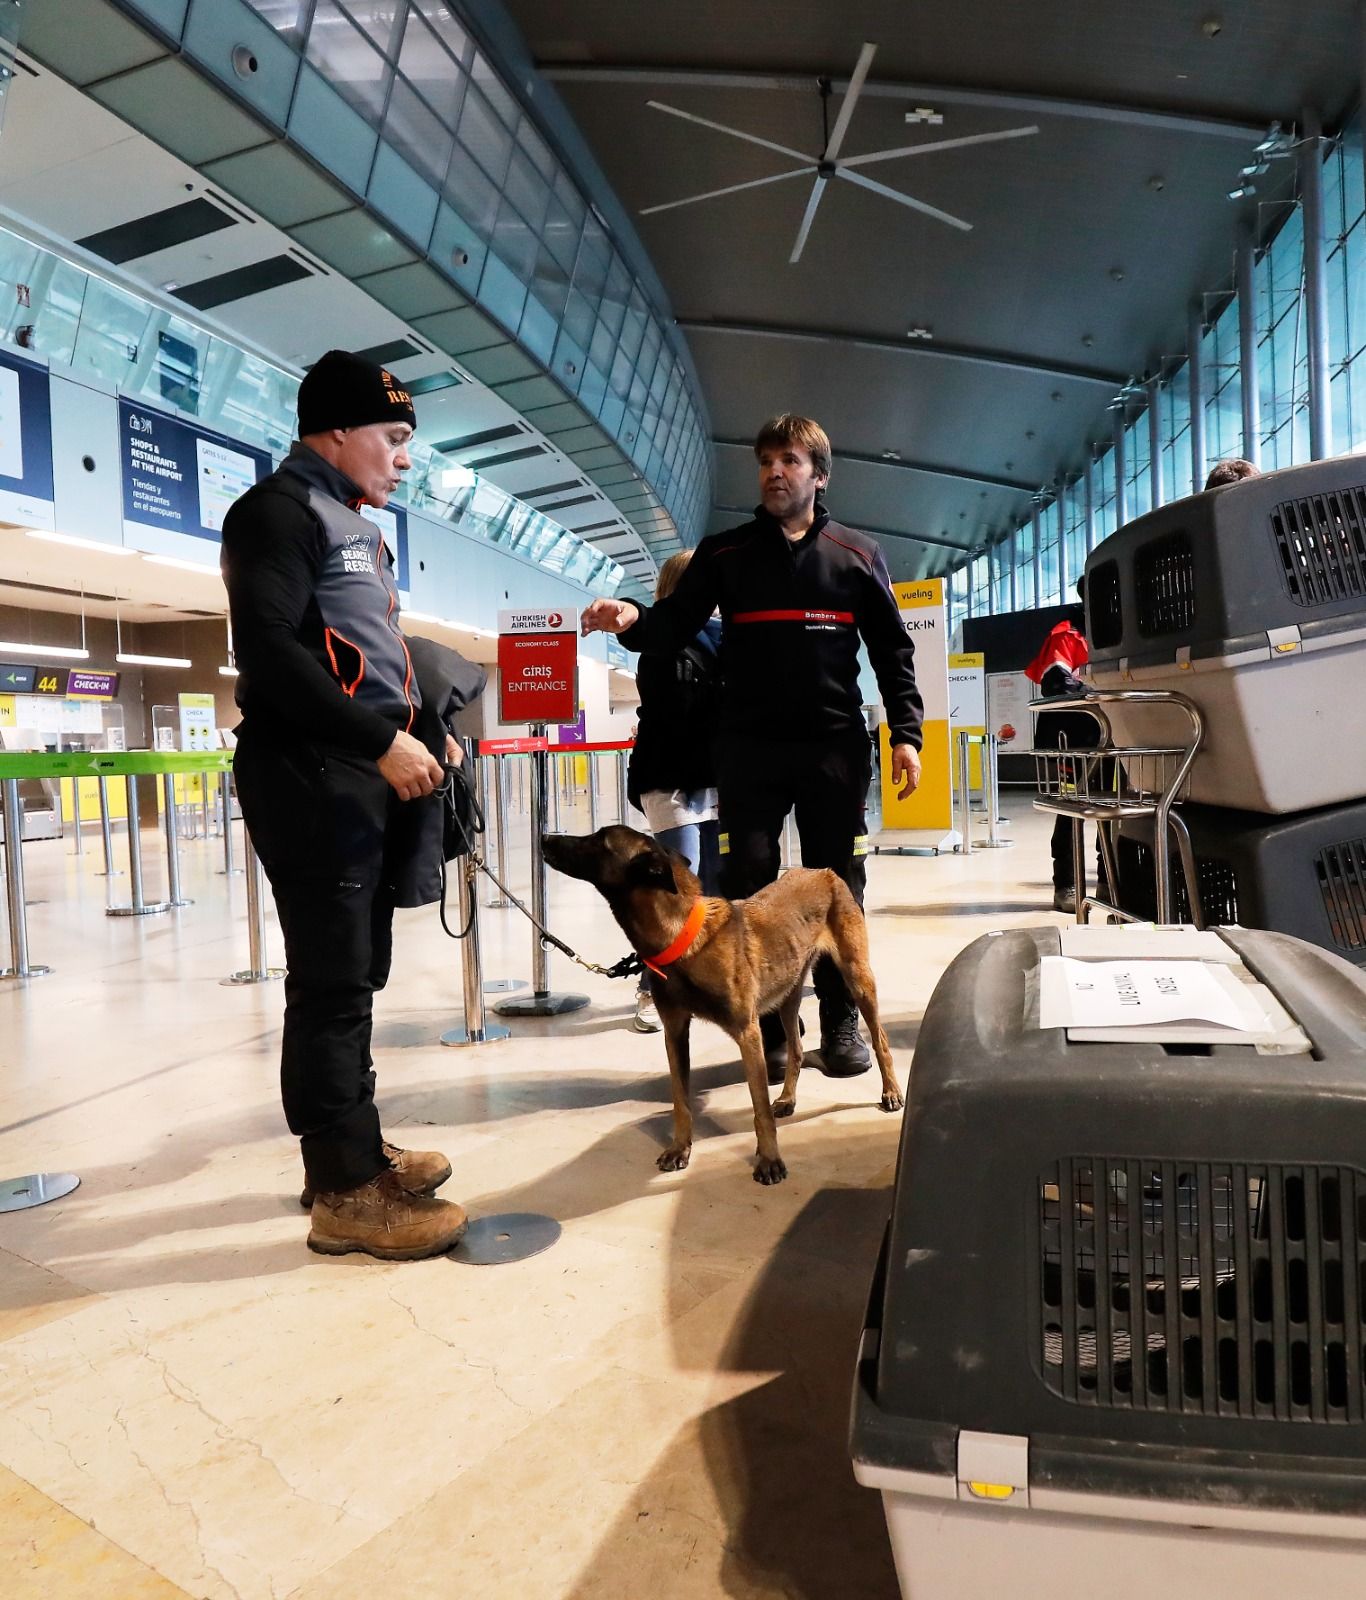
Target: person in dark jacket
327, 763
672, 776
797, 592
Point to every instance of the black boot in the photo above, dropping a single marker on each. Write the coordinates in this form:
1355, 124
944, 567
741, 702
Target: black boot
775, 1045
843, 1053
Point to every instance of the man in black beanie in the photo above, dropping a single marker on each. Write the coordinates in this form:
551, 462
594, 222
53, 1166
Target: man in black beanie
326, 761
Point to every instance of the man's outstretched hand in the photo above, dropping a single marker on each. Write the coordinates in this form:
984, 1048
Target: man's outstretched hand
608, 616
905, 769
409, 768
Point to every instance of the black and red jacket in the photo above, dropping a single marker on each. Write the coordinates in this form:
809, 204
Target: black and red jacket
792, 615
315, 618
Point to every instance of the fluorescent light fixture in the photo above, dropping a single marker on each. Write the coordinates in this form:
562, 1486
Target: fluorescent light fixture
183, 565
127, 659
227, 672
456, 477
45, 650
80, 544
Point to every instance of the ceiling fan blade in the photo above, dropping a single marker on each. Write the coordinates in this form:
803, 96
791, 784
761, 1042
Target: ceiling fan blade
937, 144
851, 94
902, 199
733, 188
808, 217
735, 133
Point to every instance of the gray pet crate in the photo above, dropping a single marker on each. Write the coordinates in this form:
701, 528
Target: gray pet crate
1251, 600
1304, 874
1115, 1341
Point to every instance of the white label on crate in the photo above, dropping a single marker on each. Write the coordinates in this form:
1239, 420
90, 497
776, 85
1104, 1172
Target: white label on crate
1135, 994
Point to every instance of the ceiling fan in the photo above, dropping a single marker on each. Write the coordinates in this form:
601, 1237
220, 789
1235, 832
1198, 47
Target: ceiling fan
830, 164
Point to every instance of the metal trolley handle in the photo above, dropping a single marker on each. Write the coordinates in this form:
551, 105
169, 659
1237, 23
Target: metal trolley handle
1160, 805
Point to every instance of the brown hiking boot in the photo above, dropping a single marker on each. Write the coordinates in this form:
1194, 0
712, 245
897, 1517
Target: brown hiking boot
383, 1219
421, 1172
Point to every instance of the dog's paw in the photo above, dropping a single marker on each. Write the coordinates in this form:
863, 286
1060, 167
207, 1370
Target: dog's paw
768, 1170
784, 1108
891, 1101
674, 1159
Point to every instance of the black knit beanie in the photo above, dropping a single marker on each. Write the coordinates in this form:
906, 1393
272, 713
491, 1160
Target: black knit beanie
342, 390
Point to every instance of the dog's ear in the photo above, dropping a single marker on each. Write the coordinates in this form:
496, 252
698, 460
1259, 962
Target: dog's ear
652, 869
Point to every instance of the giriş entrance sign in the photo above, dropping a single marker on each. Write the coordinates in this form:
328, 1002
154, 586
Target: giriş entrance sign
538, 666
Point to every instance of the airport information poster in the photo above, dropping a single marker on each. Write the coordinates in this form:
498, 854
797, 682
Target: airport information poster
26, 493
178, 478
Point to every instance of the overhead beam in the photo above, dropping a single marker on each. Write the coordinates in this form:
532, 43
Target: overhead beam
1114, 111
866, 527
999, 360
960, 473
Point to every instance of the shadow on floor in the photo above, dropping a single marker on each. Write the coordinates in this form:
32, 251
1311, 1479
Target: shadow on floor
776, 1456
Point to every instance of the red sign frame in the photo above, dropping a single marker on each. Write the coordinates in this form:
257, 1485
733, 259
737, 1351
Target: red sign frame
538, 677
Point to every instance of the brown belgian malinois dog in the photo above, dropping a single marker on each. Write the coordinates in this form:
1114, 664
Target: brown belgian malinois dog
729, 962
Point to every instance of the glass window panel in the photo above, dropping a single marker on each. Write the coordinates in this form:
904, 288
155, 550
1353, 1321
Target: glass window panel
448, 28
595, 255
430, 70
344, 57
285, 16
527, 190
579, 320
484, 136
536, 149
114, 330
379, 21
603, 349
551, 282
560, 233
492, 86
471, 193
412, 128
515, 241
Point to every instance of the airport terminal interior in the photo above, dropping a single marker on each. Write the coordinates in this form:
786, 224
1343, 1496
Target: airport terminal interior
1012, 349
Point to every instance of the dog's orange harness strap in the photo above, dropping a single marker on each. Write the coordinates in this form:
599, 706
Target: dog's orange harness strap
691, 928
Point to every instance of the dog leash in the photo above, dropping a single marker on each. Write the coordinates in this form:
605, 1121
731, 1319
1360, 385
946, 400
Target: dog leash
629, 966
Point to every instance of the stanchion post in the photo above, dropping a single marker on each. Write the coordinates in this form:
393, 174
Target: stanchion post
622, 802
258, 971
139, 906
228, 870
106, 833
76, 813
592, 791
991, 791
540, 1002
20, 966
476, 1029
965, 797
173, 839
500, 806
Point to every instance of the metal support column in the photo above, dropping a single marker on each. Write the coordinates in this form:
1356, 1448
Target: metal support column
20, 966
1155, 494
1088, 480
1037, 528
1121, 470
173, 839
1010, 542
1195, 369
258, 971
1060, 505
139, 906
1315, 289
540, 1002
1249, 386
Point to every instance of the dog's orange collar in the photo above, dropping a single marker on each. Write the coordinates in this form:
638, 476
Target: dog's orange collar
691, 928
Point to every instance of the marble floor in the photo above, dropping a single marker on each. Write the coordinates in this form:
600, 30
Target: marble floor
192, 1404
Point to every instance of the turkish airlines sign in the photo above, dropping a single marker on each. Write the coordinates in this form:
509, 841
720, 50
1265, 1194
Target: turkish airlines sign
538, 666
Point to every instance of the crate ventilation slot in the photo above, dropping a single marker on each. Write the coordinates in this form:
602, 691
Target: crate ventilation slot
1321, 541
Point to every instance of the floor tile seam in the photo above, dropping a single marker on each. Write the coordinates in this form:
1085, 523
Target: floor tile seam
140, 1562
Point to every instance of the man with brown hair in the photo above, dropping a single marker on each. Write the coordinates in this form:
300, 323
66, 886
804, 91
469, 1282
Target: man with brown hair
1233, 469
796, 592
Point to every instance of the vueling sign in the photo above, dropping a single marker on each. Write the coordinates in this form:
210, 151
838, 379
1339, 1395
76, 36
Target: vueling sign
918, 594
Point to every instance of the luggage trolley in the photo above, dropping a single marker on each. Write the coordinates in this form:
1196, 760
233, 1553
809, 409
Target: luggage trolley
1112, 782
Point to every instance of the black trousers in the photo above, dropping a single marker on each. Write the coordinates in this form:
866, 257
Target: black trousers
825, 782
318, 819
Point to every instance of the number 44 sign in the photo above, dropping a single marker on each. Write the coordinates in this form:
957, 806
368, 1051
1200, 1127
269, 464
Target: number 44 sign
538, 666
